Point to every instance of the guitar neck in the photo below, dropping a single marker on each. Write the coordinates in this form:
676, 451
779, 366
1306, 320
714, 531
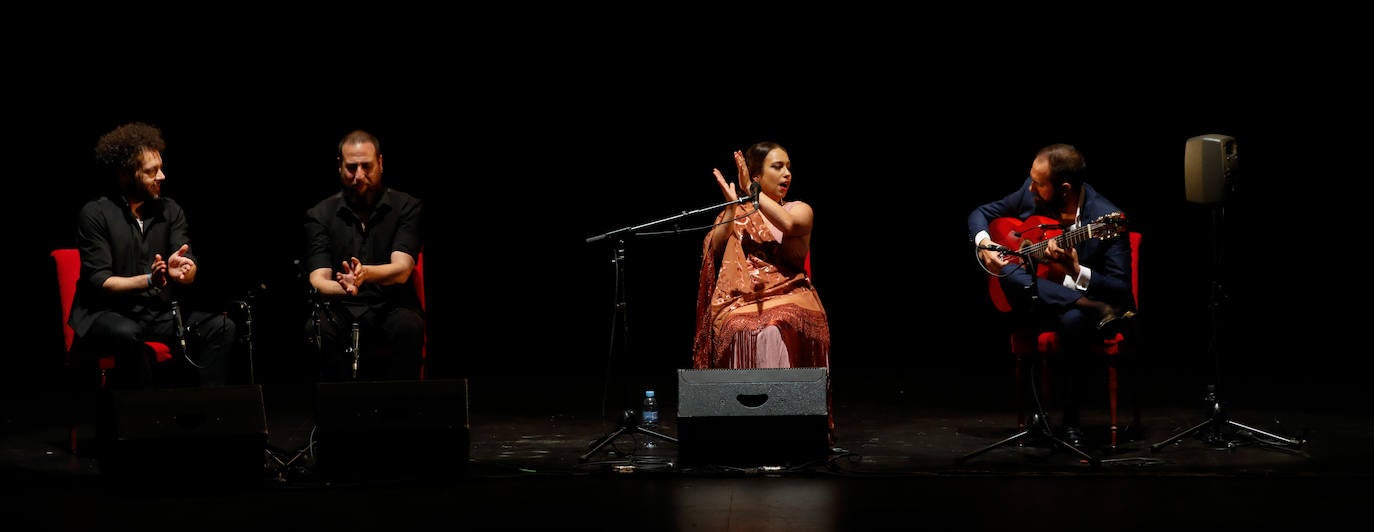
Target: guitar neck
1068, 239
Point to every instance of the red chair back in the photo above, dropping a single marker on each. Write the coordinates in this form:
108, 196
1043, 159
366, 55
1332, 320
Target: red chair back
1135, 266
68, 263
418, 277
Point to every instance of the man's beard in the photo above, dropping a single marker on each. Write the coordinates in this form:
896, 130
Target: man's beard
139, 192
361, 200
1050, 207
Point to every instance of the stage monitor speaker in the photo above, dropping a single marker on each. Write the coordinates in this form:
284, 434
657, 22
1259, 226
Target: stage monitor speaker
212, 435
1208, 164
392, 429
753, 417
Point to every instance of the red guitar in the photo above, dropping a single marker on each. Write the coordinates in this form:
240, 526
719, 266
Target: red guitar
1031, 236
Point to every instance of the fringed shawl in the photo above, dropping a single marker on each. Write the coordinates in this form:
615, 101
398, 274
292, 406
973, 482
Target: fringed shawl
750, 290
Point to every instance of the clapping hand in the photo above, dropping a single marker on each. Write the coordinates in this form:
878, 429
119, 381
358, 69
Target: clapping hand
741, 175
178, 266
352, 276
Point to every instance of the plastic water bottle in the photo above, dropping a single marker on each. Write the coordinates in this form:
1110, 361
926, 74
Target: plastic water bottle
648, 416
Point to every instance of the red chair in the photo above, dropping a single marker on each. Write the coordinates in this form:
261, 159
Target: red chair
419, 277
67, 262
1039, 345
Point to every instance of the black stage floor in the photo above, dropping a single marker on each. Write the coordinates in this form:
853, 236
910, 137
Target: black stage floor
896, 464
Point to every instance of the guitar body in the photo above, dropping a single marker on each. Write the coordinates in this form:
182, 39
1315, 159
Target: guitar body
1031, 236
1019, 234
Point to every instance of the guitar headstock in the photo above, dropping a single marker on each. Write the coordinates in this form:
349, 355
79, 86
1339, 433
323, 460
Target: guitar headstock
1109, 225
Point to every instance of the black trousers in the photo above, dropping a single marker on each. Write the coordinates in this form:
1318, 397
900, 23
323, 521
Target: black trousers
391, 343
209, 340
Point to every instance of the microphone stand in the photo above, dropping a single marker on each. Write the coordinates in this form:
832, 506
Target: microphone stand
627, 417
1038, 426
623, 230
248, 338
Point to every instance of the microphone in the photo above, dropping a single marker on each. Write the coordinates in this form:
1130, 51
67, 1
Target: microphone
1017, 234
753, 196
996, 247
180, 328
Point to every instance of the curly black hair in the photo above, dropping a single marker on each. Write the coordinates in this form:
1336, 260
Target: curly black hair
121, 148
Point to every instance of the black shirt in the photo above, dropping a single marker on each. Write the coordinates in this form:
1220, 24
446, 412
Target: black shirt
112, 244
334, 233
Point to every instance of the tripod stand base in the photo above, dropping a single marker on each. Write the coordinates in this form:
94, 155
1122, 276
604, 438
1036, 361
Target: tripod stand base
1038, 428
1218, 420
626, 424
1217, 440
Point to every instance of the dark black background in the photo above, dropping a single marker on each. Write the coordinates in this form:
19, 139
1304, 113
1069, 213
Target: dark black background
524, 145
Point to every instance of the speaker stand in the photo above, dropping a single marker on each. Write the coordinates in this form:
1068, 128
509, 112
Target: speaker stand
627, 423
1217, 420
281, 470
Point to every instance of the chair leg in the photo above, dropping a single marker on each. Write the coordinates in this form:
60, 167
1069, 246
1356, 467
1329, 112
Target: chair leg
73, 432
1115, 362
1112, 387
1020, 411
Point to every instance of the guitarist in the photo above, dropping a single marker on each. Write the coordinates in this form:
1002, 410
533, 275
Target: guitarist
1085, 289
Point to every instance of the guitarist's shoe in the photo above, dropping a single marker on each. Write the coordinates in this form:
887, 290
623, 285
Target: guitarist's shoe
1113, 316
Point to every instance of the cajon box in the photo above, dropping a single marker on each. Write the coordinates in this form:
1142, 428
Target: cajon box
753, 417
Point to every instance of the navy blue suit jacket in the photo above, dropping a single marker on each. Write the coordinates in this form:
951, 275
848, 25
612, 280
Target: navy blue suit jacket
1109, 259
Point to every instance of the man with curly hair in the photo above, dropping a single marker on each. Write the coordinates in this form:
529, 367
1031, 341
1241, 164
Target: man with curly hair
135, 251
